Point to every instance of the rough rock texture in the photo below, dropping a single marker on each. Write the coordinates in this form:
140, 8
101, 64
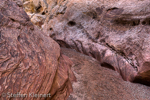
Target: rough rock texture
98, 83
36, 9
30, 62
115, 32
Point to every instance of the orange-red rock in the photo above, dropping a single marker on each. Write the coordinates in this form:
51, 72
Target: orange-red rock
30, 62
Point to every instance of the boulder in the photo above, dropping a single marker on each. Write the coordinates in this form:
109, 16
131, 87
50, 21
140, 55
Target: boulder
30, 62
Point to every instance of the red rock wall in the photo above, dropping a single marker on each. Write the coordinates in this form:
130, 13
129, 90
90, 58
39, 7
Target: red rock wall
30, 62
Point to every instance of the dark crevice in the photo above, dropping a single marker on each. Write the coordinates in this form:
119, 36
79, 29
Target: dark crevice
127, 22
76, 46
121, 53
146, 21
19, 38
112, 8
62, 43
92, 55
12, 19
135, 22
98, 35
112, 47
71, 23
143, 77
50, 29
43, 13
141, 81
38, 8
143, 23
60, 13
104, 64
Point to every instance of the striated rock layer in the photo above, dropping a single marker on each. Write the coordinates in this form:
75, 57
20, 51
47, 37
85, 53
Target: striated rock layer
30, 62
98, 83
115, 32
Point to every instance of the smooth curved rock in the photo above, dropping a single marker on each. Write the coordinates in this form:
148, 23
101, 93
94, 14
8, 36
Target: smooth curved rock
30, 62
98, 83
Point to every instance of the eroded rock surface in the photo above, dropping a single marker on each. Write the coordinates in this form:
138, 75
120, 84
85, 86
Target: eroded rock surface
98, 83
30, 62
115, 32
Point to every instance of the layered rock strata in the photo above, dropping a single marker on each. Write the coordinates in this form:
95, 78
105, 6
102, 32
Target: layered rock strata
30, 62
